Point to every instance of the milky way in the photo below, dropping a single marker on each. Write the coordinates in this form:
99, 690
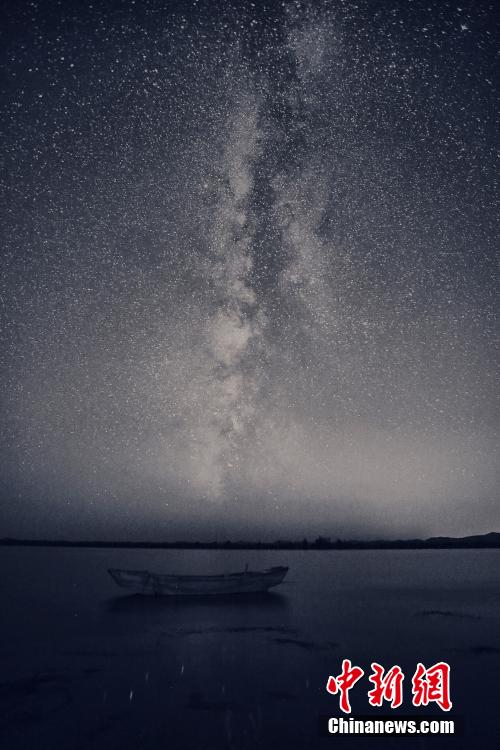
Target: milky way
249, 269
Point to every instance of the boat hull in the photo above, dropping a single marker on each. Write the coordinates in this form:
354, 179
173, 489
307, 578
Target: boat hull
249, 582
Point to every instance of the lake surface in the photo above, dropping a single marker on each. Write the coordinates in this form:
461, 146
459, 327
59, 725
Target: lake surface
84, 665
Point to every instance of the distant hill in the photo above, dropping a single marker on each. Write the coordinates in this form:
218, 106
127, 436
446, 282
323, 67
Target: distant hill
478, 541
492, 539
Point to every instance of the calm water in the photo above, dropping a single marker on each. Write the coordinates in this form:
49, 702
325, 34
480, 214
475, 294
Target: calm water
83, 666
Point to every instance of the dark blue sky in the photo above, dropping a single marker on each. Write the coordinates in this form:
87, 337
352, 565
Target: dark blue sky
249, 262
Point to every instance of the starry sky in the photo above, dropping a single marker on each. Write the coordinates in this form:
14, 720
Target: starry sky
249, 268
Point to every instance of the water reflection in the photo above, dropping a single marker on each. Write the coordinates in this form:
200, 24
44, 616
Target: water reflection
137, 603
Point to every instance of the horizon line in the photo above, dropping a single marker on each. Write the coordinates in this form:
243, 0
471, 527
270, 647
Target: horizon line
488, 539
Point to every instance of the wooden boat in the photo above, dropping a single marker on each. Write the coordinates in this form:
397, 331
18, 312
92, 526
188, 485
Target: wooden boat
247, 582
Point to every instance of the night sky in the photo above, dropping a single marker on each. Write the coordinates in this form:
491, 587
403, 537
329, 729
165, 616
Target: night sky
249, 274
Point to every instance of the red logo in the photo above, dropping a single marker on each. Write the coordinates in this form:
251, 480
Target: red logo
388, 687
430, 685
343, 683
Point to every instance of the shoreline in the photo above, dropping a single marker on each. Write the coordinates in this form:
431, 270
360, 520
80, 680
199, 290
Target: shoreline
486, 541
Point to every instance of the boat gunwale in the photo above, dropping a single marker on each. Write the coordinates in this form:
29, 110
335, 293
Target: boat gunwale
192, 578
